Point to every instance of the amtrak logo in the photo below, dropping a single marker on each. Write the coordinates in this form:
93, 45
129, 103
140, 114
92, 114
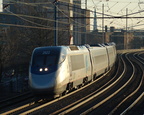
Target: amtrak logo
46, 52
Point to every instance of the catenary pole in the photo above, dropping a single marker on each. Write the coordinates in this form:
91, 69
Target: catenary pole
55, 23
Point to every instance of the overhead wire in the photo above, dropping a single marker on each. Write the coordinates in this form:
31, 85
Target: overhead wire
116, 1
132, 13
95, 7
82, 25
48, 2
63, 10
46, 28
33, 27
40, 18
34, 4
112, 6
124, 7
106, 10
73, 20
29, 16
27, 20
42, 3
67, 2
25, 26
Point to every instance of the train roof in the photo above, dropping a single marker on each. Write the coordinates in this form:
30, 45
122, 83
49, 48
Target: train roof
75, 47
69, 48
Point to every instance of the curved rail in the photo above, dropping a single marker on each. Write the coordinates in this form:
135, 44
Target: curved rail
101, 95
109, 97
142, 95
31, 107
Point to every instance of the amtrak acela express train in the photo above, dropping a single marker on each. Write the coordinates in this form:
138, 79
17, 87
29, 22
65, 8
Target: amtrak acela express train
57, 69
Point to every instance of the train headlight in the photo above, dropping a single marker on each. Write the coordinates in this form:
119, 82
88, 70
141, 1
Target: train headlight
40, 69
46, 69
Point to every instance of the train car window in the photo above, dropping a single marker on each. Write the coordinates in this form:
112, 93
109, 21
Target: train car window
77, 62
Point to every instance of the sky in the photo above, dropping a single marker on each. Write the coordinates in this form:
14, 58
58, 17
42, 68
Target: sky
119, 8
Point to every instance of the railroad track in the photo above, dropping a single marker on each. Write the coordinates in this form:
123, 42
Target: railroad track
61, 102
138, 105
123, 99
13, 101
117, 92
135, 93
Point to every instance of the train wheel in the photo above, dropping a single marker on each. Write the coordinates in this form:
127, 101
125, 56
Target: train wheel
79, 86
94, 77
85, 80
65, 92
70, 86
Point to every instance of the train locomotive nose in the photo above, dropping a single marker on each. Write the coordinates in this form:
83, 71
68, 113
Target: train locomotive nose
43, 84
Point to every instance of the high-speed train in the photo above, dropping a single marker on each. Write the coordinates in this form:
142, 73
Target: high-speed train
55, 70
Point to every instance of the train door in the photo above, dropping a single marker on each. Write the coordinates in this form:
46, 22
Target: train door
108, 58
88, 67
91, 63
70, 69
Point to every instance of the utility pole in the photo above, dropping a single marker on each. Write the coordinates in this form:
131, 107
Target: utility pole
70, 8
103, 23
55, 23
126, 44
85, 34
86, 4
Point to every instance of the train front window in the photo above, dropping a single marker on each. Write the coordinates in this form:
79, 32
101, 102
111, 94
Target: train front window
50, 60
62, 58
44, 60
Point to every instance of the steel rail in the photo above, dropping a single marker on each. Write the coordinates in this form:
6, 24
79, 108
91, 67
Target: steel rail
92, 97
44, 105
32, 109
8, 103
130, 95
141, 96
116, 92
84, 98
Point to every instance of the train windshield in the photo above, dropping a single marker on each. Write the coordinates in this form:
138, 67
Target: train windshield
45, 60
48, 58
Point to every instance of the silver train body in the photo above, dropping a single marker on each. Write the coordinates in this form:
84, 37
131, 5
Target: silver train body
56, 69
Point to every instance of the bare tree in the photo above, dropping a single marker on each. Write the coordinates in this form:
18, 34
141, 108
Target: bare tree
37, 30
